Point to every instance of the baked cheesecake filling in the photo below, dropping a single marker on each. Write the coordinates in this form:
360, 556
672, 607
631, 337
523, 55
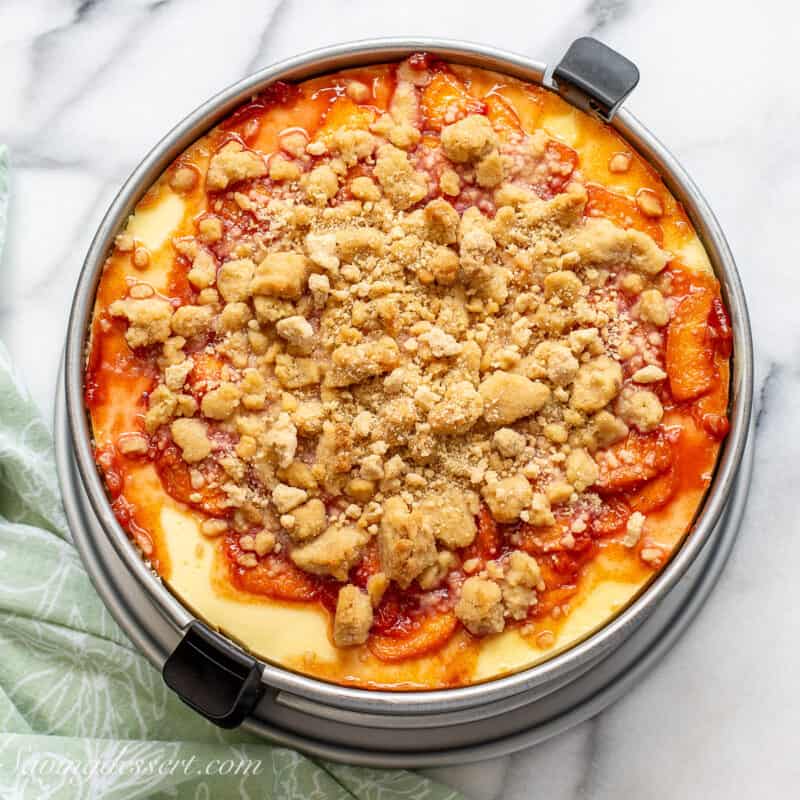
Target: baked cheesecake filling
413, 365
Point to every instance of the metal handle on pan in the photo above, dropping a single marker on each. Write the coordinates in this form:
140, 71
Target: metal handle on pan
213, 676
594, 77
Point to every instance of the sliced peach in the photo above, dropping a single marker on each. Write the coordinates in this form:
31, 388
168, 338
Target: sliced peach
690, 349
621, 210
344, 113
536, 539
501, 114
711, 410
279, 93
445, 100
276, 578
655, 493
178, 286
176, 479
527, 104
612, 518
632, 462
207, 370
431, 634
488, 538
561, 570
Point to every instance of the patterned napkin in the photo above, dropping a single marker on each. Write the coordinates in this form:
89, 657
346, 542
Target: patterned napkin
82, 713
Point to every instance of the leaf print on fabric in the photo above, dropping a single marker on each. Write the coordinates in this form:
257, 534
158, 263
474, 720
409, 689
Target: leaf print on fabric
28, 485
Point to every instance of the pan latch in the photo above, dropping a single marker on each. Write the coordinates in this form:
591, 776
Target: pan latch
594, 77
213, 677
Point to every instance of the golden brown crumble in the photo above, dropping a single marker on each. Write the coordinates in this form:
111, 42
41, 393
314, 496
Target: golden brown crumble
388, 357
353, 617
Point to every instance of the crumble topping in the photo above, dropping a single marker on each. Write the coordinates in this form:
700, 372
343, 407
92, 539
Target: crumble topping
353, 617
389, 332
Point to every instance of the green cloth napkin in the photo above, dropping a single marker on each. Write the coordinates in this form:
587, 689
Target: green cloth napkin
82, 713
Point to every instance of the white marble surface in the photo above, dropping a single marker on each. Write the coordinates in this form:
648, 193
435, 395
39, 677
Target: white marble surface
87, 87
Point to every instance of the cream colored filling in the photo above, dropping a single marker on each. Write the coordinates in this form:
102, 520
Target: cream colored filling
154, 225
285, 633
278, 632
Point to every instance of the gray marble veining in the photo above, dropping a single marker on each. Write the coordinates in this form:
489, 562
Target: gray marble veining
87, 87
